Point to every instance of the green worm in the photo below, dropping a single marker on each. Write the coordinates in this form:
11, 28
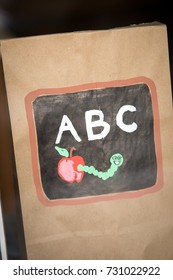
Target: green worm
116, 161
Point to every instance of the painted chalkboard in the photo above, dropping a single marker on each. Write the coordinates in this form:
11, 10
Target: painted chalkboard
93, 141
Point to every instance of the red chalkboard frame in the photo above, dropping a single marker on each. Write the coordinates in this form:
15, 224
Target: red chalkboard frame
97, 85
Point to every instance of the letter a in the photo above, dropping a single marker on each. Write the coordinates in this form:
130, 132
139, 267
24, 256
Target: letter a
90, 124
66, 125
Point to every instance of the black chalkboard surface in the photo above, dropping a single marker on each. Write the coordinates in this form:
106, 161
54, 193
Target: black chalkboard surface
94, 142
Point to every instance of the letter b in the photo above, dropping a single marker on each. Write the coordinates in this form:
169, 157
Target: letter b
98, 123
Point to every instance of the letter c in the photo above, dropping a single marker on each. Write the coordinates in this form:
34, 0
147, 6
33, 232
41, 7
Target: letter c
119, 119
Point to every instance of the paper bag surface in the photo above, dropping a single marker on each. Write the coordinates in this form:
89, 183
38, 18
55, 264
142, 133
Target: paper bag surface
91, 116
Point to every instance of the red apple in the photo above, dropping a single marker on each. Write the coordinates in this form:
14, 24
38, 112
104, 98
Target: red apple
67, 168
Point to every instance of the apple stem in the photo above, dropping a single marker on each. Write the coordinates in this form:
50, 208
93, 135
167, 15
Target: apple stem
71, 151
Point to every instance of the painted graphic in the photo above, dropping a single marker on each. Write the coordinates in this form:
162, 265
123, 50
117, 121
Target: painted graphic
72, 169
95, 142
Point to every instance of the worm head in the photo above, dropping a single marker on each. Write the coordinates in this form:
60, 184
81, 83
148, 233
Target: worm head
117, 159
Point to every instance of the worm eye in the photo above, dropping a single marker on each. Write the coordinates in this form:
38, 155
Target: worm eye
117, 158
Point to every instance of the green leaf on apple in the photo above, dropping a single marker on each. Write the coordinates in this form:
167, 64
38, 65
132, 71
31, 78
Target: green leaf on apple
62, 152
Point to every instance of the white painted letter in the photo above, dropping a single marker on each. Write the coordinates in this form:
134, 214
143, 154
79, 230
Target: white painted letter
126, 127
98, 123
66, 125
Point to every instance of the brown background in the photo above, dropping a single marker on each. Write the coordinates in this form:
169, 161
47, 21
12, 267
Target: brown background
123, 229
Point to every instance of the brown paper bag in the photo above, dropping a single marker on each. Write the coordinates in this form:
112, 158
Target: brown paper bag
91, 116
